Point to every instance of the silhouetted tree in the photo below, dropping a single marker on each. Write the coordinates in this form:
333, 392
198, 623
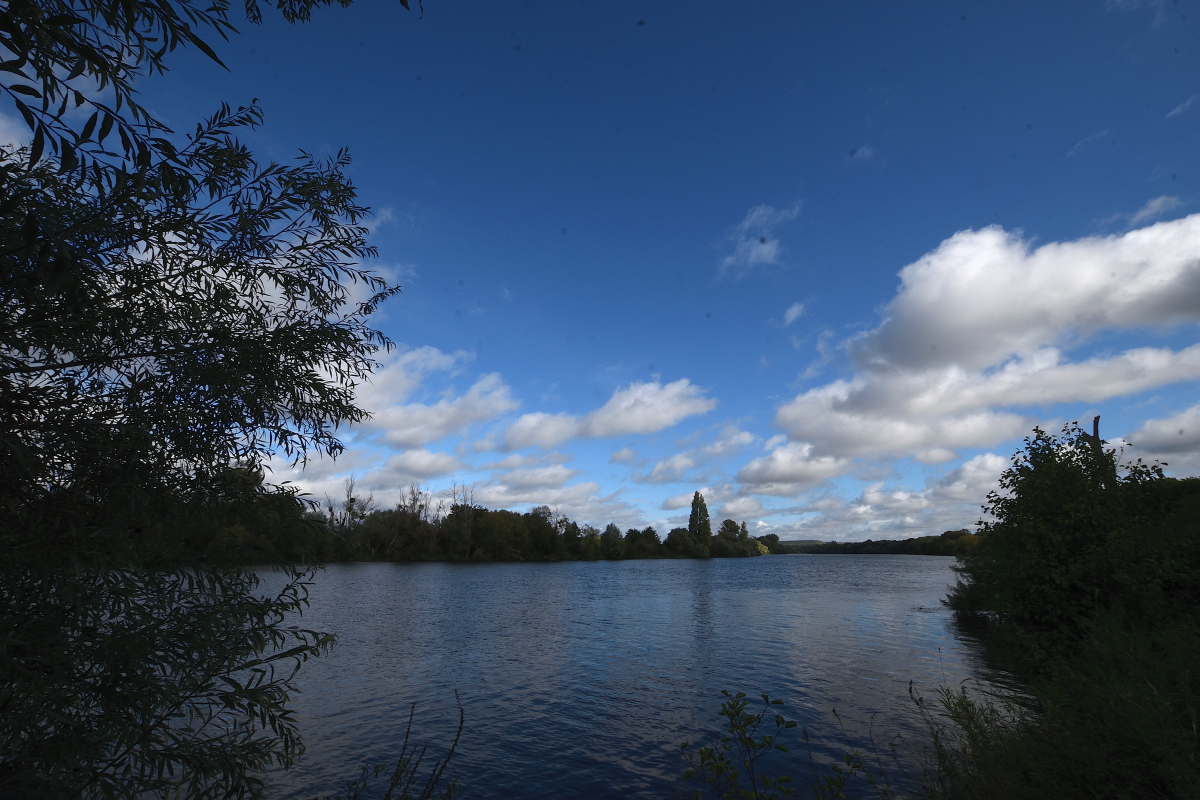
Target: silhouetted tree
172, 314
1071, 532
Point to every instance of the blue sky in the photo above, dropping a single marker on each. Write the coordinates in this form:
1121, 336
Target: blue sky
828, 263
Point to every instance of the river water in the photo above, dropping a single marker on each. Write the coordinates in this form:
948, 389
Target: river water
582, 678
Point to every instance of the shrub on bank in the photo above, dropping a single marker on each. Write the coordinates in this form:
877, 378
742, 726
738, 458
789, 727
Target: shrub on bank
1086, 581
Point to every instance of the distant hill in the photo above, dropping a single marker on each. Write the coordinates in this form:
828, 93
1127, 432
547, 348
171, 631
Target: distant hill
950, 543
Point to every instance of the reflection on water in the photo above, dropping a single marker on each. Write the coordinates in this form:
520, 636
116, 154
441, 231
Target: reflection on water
582, 678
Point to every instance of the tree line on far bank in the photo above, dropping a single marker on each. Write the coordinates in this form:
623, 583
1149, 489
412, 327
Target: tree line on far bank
419, 528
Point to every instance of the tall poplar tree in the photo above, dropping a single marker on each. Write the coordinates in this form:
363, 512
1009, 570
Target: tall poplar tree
699, 525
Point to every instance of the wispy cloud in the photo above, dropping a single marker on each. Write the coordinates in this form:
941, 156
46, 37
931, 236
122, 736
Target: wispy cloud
754, 241
382, 217
1182, 107
1154, 209
668, 470
1159, 7
1095, 137
864, 153
794, 312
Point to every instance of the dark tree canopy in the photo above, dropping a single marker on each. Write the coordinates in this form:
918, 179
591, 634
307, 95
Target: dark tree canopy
157, 335
160, 340
1075, 533
173, 314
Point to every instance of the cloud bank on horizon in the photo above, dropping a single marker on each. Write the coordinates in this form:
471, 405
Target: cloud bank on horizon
986, 335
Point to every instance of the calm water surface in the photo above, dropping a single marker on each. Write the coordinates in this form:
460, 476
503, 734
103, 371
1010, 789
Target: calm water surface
582, 678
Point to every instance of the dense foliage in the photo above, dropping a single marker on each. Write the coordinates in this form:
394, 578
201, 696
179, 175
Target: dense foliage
699, 527
1073, 535
161, 338
1088, 577
173, 313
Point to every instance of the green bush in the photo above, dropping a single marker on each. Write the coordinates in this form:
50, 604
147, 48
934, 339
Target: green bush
1088, 577
1073, 534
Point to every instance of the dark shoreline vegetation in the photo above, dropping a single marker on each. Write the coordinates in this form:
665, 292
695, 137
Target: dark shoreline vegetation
1085, 584
421, 528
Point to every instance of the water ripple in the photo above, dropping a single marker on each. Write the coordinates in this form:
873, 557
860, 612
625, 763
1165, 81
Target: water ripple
582, 678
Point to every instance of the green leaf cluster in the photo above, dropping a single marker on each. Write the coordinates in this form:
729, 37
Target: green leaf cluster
699, 526
123, 683
734, 541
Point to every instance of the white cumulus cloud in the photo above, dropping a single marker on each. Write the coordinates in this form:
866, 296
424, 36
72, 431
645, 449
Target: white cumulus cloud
789, 468
403, 371
626, 455
638, 408
669, 470
731, 440
984, 296
879, 512
979, 337
414, 465
740, 508
417, 424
